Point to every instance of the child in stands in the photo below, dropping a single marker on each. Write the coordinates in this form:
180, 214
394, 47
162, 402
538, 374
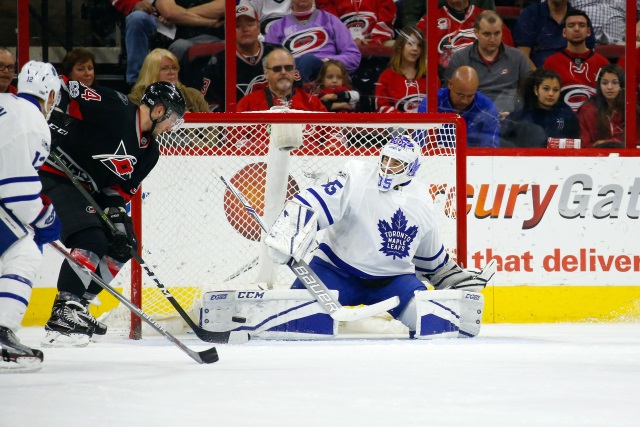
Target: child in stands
333, 87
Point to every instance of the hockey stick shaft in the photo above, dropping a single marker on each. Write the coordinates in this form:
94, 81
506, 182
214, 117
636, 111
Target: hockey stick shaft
204, 335
206, 356
310, 280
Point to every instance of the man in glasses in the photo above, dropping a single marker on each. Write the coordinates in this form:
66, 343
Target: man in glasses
110, 147
7, 70
279, 69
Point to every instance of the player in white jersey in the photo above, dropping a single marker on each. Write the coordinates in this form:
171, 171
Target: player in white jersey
381, 234
24, 146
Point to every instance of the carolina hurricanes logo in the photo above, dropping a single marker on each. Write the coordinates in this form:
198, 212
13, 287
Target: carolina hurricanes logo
266, 23
364, 20
258, 82
456, 41
576, 95
119, 163
443, 24
410, 103
306, 41
241, 9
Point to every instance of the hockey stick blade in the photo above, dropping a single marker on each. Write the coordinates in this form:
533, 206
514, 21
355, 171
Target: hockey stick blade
207, 336
310, 280
349, 314
204, 357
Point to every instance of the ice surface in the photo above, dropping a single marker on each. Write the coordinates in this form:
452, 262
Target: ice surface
511, 375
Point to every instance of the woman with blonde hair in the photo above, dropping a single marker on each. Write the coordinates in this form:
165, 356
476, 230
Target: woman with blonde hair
402, 86
160, 65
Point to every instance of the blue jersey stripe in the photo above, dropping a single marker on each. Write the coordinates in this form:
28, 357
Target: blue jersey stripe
346, 267
16, 179
431, 258
23, 198
323, 204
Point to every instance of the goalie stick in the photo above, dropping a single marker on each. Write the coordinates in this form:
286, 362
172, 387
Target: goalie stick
236, 337
311, 281
205, 357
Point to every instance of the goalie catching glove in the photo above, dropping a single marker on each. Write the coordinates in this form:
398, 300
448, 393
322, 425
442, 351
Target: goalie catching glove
451, 276
293, 234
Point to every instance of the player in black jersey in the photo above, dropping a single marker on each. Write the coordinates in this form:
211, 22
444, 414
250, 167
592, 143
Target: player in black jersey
109, 144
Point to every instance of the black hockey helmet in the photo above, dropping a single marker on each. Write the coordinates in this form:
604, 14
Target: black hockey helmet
167, 94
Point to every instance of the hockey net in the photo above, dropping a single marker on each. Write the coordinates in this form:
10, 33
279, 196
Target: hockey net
196, 237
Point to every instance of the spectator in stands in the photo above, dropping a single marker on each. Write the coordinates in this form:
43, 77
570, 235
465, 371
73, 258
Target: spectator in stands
7, 70
161, 65
602, 116
607, 17
456, 29
369, 21
402, 86
269, 11
79, 64
413, 10
501, 69
249, 54
577, 65
141, 24
538, 31
543, 115
334, 89
279, 68
461, 96
196, 21
313, 36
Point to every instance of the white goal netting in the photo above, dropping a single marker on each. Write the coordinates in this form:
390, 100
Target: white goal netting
196, 236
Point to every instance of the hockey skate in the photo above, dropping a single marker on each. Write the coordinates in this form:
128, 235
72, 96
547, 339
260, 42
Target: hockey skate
17, 357
66, 328
99, 328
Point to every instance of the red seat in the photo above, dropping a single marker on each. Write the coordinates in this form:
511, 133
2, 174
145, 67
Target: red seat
610, 51
204, 49
508, 12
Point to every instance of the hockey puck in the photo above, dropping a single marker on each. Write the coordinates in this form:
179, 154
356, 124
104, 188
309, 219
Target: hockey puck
238, 319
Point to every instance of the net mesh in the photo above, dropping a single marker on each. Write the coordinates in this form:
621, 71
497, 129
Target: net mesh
196, 236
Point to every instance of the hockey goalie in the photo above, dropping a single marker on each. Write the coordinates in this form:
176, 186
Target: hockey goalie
381, 240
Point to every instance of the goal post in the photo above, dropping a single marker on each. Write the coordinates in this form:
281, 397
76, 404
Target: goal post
197, 237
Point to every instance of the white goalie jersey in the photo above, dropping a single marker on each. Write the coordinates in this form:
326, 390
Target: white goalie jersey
374, 234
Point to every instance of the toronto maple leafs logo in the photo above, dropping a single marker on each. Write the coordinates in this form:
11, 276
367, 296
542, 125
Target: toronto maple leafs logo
396, 237
119, 163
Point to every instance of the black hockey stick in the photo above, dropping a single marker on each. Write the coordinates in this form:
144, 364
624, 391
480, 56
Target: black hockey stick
235, 337
206, 356
311, 281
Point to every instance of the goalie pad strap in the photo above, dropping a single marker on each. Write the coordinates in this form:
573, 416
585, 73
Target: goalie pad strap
448, 314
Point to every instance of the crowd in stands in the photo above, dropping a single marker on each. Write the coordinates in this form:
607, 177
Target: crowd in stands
517, 83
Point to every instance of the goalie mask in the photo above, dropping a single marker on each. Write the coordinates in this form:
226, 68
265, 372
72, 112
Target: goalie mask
168, 95
399, 162
40, 79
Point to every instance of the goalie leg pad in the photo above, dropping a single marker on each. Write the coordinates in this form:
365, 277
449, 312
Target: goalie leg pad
438, 314
282, 314
471, 307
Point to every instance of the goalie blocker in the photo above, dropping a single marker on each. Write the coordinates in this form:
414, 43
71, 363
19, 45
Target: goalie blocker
295, 314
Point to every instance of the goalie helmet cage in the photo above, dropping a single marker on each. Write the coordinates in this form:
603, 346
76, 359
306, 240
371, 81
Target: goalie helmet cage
198, 237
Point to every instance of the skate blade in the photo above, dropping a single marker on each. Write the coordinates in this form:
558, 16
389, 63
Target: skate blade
21, 365
58, 340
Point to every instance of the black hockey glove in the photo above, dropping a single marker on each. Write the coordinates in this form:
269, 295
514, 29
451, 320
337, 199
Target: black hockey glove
124, 239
